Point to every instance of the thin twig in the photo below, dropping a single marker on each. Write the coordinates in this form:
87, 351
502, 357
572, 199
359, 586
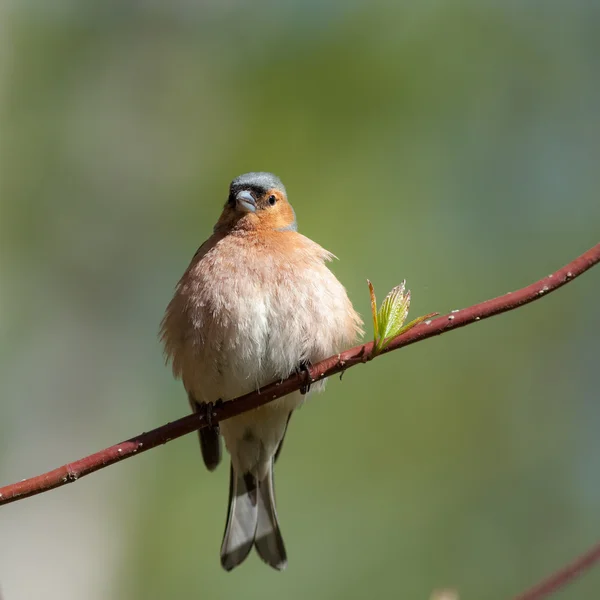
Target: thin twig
560, 578
330, 366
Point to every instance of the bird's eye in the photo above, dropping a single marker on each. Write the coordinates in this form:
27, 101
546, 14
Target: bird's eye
272, 200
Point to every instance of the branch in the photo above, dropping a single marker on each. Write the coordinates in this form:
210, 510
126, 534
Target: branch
562, 577
330, 366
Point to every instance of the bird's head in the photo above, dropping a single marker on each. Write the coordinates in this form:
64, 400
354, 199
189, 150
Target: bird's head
257, 201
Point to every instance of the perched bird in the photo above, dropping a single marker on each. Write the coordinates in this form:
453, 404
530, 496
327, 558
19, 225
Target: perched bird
256, 304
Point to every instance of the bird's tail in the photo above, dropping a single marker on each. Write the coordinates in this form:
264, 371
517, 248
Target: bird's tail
268, 541
252, 521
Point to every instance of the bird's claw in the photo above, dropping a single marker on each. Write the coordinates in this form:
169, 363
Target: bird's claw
303, 368
209, 413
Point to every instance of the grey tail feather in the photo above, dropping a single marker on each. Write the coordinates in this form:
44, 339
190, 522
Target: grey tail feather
278, 451
268, 541
252, 521
242, 519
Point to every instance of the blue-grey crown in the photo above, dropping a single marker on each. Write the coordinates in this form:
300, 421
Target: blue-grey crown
258, 181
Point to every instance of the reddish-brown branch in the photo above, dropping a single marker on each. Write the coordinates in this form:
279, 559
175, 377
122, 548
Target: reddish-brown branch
562, 577
330, 366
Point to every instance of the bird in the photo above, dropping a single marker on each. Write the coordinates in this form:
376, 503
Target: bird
256, 304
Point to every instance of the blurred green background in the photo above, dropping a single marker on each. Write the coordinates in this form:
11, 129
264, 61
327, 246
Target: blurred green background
453, 144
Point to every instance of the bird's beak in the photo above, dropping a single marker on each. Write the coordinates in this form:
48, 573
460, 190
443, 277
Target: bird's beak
245, 201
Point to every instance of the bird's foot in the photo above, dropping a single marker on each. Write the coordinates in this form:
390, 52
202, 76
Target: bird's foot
209, 413
303, 368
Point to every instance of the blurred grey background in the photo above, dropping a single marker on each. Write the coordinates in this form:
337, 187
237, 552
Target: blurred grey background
452, 144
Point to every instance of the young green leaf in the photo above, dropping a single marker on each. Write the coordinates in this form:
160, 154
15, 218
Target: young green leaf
388, 322
409, 326
392, 314
373, 312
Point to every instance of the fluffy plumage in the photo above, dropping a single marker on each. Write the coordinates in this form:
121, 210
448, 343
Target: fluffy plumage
256, 302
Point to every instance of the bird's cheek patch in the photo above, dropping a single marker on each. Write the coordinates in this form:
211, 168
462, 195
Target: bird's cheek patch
282, 218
